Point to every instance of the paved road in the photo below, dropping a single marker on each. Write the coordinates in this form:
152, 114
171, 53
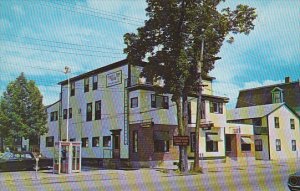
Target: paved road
260, 177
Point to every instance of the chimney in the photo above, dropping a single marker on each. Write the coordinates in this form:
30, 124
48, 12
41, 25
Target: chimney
287, 80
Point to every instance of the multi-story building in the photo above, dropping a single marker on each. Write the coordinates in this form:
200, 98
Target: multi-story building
288, 92
117, 115
48, 140
276, 129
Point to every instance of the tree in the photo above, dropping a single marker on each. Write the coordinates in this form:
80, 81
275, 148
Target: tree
22, 110
171, 42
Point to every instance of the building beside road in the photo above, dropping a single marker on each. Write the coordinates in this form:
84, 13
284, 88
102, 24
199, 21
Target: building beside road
276, 129
287, 92
119, 118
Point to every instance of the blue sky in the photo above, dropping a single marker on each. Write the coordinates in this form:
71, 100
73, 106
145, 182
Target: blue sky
40, 38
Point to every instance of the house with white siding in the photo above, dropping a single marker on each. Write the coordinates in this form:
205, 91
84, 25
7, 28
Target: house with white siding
276, 129
118, 116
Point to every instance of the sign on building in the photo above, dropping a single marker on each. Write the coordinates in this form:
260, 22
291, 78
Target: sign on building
114, 78
181, 140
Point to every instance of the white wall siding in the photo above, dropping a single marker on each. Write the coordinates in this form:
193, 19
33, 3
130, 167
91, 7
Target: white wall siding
284, 133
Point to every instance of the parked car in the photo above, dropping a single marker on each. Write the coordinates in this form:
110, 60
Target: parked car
12, 161
294, 181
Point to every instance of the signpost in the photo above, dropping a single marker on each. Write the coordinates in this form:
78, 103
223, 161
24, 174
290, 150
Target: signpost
181, 140
37, 165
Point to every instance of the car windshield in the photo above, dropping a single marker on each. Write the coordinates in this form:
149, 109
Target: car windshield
6, 155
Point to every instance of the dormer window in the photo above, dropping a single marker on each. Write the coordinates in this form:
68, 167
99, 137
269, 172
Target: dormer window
277, 96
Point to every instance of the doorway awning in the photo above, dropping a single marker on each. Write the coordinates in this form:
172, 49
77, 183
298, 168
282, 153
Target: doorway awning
161, 135
246, 140
214, 138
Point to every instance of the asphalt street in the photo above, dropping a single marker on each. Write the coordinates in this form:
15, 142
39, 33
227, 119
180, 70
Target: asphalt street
268, 176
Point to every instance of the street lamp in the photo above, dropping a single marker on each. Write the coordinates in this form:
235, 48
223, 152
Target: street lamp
66, 71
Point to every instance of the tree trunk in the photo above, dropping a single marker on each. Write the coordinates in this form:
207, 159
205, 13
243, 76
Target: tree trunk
185, 127
183, 166
2, 144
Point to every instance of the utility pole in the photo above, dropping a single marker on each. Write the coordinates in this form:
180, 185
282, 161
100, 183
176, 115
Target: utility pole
199, 109
68, 70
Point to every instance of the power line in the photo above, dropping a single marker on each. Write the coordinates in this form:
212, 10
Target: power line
61, 47
121, 16
63, 52
62, 7
59, 42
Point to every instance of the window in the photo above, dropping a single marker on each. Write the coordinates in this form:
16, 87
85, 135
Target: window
190, 113
292, 122
193, 142
161, 141
246, 143
95, 82
72, 139
50, 141
135, 141
89, 112
98, 110
258, 145
106, 141
86, 84
85, 142
278, 145
65, 113
212, 142
72, 89
158, 101
134, 102
216, 107
276, 121
277, 95
294, 147
53, 116
95, 141
70, 113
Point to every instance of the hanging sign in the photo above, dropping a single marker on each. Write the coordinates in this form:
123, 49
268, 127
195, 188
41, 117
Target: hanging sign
181, 140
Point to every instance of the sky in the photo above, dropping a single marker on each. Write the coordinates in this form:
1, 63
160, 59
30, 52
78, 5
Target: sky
41, 37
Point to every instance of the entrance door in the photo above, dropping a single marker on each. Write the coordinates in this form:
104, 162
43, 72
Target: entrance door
116, 144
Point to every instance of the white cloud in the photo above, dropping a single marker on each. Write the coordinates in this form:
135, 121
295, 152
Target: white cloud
229, 90
255, 84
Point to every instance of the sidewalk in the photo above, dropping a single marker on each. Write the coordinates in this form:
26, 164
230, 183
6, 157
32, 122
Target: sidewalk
211, 165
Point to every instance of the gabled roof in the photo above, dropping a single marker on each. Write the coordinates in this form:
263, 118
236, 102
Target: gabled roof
263, 95
252, 112
47, 106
